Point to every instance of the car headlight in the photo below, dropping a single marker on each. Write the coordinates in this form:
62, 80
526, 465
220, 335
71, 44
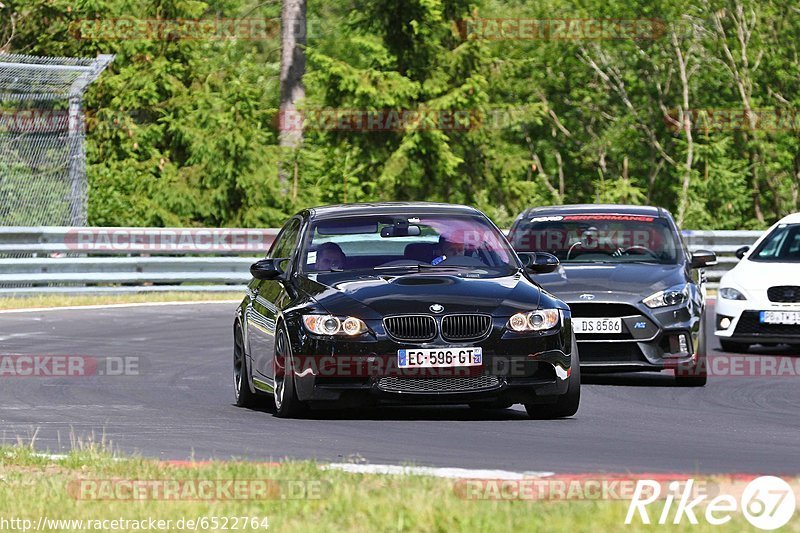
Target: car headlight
334, 325
672, 296
730, 293
535, 320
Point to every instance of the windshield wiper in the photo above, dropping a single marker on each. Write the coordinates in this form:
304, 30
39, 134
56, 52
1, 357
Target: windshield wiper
424, 266
574, 261
333, 269
392, 267
620, 262
444, 267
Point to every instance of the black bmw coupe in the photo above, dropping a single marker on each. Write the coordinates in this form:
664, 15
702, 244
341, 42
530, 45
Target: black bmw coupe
402, 303
637, 295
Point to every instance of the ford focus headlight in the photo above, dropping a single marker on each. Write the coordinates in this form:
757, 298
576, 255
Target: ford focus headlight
334, 325
729, 293
672, 296
539, 320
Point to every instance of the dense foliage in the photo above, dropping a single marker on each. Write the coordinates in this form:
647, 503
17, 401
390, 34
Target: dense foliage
184, 131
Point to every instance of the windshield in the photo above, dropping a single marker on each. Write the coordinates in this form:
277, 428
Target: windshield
408, 242
781, 245
605, 238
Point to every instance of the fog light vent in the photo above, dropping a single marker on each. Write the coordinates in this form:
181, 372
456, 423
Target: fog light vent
683, 343
679, 345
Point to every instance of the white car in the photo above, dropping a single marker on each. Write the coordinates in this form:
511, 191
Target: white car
759, 299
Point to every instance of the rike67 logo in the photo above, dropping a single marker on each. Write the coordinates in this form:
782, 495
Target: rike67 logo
766, 502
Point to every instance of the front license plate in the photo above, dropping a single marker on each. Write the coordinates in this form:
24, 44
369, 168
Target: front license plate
439, 357
780, 317
597, 325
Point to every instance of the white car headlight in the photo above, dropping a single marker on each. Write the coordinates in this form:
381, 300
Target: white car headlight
729, 293
672, 296
539, 320
334, 325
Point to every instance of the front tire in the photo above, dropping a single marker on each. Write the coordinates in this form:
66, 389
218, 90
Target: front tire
241, 382
695, 375
287, 405
568, 403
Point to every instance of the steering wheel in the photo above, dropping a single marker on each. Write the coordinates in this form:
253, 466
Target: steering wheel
586, 251
639, 250
572, 247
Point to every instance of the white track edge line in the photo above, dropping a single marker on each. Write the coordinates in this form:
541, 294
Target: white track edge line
115, 306
450, 473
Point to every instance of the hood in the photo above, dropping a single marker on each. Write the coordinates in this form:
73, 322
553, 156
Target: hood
632, 281
374, 296
761, 275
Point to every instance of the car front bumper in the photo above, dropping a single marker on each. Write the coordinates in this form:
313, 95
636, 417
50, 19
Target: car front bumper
516, 368
651, 339
739, 321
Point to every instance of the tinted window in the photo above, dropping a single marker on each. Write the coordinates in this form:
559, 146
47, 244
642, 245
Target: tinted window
286, 240
782, 245
416, 240
589, 238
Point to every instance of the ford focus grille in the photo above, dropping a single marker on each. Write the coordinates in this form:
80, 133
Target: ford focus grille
602, 310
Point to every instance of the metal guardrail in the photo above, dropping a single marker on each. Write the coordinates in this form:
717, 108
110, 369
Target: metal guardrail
38, 240
54, 259
49, 259
722, 242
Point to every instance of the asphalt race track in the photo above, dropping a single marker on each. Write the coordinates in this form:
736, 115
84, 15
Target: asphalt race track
180, 406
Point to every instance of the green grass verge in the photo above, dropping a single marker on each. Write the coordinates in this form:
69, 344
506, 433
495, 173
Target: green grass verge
67, 300
32, 486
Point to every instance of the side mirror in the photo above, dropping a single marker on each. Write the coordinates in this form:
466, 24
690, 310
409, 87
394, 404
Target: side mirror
741, 252
266, 269
539, 262
703, 258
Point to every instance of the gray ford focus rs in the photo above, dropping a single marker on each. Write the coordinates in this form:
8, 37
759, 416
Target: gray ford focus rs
637, 295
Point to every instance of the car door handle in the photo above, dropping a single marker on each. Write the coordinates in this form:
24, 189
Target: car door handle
255, 292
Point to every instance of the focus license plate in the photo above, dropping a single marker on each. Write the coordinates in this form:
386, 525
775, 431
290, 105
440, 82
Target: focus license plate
597, 325
439, 357
780, 317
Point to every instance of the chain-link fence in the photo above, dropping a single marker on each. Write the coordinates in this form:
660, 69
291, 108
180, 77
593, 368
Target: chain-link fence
42, 136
